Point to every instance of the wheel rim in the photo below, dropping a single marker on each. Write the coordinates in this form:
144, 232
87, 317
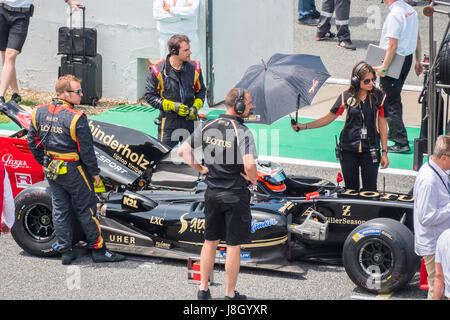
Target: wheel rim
376, 258
38, 222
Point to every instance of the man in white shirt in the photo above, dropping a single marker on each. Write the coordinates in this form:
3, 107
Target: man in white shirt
400, 35
442, 265
177, 17
7, 214
432, 205
14, 21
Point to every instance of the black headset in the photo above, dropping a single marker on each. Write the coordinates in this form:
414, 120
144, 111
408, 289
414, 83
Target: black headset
354, 82
175, 51
239, 105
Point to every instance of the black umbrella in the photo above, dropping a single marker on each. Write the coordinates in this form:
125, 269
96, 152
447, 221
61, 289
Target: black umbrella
285, 84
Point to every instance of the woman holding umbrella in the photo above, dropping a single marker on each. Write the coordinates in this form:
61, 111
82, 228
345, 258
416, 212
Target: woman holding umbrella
365, 128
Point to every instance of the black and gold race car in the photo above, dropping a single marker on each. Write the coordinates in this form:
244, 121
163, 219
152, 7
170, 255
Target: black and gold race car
153, 205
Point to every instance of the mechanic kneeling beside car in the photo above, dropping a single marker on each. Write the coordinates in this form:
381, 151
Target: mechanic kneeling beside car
60, 139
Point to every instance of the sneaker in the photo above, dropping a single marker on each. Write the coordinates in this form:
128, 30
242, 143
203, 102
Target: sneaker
396, 148
347, 44
204, 295
104, 255
68, 256
309, 21
237, 296
327, 36
16, 98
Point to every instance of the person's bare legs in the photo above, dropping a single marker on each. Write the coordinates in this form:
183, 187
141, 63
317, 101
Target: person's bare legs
232, 265
207, 257
8, 76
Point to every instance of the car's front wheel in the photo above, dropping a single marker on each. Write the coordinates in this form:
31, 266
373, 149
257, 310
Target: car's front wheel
379, 255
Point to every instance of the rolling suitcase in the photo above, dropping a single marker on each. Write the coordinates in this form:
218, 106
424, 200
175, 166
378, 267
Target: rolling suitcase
87, 68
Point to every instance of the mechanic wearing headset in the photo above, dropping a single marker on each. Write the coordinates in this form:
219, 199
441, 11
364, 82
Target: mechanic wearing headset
60, 139
365, 126
175, 87
229, 154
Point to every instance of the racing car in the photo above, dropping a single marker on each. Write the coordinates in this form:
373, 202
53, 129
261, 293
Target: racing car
153, 205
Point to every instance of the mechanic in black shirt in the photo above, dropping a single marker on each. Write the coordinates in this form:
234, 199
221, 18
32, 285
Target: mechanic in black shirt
175, 87
365, 126
229, 154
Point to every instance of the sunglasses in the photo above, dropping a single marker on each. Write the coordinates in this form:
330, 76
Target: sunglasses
78, 92
367, 81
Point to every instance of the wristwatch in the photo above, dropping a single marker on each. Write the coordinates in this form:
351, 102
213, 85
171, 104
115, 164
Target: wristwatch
383, 150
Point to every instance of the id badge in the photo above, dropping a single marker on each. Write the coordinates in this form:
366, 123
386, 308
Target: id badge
363, 133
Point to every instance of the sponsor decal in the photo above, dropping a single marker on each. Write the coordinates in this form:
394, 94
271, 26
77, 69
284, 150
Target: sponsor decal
286, 207
156, 220
163, 245
366, 232
113, 165
122, 152
256, 225
381, 196
351, 102
23, 180
253, 117
9, 161
314, 86
222, 254
129, 202
196, 225
121, 239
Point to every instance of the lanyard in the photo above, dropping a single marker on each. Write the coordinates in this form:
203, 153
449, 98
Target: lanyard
445, 185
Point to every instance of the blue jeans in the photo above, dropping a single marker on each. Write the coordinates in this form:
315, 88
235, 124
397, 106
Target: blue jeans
306, 8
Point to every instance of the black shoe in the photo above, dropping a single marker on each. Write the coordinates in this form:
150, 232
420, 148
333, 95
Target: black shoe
104, 255
68, 256
2, 99
16, 98
396, 148
204, 295
237, 296
326, 36
316, 15
347, 44
309, 21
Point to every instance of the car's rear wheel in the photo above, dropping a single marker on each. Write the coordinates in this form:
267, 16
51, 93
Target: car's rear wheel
379, 255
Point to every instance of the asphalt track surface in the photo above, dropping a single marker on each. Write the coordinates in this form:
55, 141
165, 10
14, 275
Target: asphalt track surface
25, 277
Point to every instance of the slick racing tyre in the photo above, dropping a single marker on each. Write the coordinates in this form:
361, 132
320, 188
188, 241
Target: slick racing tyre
33, 229
444, 64
379, 255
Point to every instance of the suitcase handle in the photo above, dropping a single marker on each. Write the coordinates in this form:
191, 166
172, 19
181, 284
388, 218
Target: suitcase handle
83, 36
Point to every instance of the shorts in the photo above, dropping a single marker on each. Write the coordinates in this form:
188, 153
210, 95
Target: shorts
13, 29
228, 216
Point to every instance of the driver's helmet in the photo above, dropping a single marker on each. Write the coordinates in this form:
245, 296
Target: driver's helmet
272, 175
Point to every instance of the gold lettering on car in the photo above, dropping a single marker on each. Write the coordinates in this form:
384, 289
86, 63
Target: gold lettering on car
163, 245
122, 239
130, 202
346, 211
286, 207
156, 220
382, 196
196, 225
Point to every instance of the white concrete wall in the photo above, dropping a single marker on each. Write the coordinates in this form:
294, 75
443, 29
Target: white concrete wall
244, 32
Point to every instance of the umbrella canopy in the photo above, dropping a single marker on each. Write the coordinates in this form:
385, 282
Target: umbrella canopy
285, 84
